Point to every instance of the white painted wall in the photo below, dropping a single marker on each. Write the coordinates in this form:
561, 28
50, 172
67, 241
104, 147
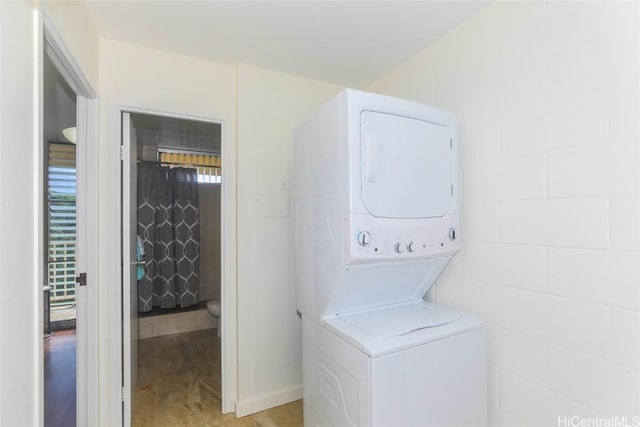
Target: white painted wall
270, 105
21, 275
20, 272
147, 78
547, 97
72, 20
269, 362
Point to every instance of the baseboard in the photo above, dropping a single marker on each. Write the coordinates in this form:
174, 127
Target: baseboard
267, 401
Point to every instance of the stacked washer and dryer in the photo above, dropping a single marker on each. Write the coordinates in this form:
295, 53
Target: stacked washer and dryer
376, 200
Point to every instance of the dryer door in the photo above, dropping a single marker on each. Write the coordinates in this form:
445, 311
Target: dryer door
407, 166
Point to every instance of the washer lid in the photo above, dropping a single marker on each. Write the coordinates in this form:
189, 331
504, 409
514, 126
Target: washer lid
399, 320
414, 324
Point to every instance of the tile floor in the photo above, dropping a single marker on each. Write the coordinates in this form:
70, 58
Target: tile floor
179, 385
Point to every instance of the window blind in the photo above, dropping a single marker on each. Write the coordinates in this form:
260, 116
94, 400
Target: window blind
61, 222
209, 166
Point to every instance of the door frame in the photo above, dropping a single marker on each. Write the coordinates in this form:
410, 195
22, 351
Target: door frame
87, 383
229, 353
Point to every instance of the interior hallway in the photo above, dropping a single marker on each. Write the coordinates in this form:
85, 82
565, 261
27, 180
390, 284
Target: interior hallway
179, 384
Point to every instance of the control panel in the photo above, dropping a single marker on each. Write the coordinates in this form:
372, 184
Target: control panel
439, 238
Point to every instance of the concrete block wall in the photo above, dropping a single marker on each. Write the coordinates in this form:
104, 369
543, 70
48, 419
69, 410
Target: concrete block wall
546, 94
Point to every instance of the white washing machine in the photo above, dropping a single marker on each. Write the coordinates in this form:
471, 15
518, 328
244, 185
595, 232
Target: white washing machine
377, 220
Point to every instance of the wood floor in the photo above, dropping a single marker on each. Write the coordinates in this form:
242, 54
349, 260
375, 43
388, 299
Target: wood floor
60, 379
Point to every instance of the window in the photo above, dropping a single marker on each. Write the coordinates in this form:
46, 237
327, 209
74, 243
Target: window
61, 224
209, 166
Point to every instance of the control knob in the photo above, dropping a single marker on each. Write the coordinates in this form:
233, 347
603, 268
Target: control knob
452, 234
364, 238
398, 248
410, 246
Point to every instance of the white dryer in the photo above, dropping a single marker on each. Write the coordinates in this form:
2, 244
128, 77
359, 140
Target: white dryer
377, 220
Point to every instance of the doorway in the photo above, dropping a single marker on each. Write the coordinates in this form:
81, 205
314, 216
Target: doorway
69, 256
59, 292
171, 248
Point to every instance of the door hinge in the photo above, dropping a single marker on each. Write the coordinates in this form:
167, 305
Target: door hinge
124, 151
81, 280
451, 143
122, 392
452, 190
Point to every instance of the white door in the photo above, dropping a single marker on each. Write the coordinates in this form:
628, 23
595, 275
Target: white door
129, 279
407, 166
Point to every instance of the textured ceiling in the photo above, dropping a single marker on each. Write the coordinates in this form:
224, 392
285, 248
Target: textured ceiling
350, 43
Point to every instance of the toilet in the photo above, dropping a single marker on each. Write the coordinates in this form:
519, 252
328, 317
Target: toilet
214, 309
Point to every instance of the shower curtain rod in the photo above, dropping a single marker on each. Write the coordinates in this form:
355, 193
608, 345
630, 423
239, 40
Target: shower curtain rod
194, 152
170, 164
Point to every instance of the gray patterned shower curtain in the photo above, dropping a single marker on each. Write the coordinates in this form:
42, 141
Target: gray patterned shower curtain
169, 225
